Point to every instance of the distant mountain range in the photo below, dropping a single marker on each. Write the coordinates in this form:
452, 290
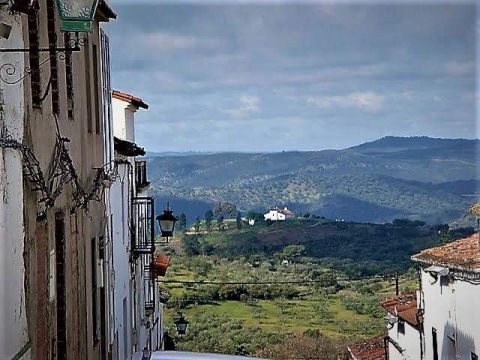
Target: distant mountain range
393, 177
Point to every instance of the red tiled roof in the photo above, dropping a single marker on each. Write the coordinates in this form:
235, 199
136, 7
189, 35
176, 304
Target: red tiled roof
462, 254
134, 100
371, 349
286, 212
405, 306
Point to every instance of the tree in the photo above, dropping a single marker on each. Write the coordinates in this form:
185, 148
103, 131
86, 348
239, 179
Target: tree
292, 253
196, 225
208, 220
220, 222
225, 209
300, 346
239, 221
182, 222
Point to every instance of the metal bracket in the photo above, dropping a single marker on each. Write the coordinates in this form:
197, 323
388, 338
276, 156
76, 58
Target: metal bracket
8, 70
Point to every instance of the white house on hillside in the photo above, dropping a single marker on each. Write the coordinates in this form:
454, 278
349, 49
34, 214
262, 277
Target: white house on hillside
449, 297
277, 214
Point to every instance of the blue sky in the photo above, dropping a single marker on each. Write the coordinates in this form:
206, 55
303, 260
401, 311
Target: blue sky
269, 76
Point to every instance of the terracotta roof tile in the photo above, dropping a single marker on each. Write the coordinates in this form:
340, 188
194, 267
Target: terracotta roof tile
134, 100
405, 306
462, 254
371, 349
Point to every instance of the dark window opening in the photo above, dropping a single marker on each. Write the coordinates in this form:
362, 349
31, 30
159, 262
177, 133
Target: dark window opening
52, 44
96, 90
401, 326
69, 77
474, 356
88, 88
61, 338
434, 344
94, 275
102, 303
34, 57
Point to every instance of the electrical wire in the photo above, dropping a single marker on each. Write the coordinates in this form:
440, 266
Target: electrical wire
273, 282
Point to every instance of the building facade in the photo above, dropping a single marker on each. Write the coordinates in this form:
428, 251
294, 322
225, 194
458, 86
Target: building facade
277, 214
138, 310
55, 120
404, 326
449, 287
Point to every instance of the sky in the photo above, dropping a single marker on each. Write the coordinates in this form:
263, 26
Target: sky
271, 76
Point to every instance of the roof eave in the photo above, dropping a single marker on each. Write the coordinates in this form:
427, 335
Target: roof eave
417, 259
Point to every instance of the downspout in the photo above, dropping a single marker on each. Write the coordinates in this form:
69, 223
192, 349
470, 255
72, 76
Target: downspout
385, 346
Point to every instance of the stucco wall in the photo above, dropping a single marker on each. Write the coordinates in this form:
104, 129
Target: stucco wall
451, 308
13, 315
123, 120
121, 266
409, 342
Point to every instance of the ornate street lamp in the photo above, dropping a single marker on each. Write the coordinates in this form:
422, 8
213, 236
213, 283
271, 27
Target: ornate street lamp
167, 221
181, 324
77, 15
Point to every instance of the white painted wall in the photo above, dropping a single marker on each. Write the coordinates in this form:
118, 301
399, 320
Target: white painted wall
409, 342
451, 307
129, 279
119, 200
274, 215
13, 319
123, 120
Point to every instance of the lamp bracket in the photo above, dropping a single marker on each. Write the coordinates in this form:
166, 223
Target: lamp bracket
8, 70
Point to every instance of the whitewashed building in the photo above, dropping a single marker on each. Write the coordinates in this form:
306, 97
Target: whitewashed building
13, 316
138, 311
277, 214
404, 325
449, 298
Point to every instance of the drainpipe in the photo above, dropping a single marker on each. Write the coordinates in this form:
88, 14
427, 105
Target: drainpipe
385, 346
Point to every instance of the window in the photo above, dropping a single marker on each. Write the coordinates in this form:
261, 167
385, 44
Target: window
52, 43
95, 314
401, 326
69, 77
434, 344
61, 306
34, 58
96, 92
106, 96
88, 88
474, 356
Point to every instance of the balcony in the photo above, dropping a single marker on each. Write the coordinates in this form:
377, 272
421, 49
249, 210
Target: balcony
141, 181
143, 225
148, 283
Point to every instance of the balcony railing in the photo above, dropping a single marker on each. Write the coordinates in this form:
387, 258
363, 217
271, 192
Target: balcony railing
143, 225
141, 181
148, 283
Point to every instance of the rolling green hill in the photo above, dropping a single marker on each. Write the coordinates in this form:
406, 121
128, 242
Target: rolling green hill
416, 178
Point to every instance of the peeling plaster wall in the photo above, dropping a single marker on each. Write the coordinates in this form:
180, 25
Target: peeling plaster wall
13, 316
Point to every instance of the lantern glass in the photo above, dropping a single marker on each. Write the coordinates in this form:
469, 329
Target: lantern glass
167, 221
77, 15
181, 325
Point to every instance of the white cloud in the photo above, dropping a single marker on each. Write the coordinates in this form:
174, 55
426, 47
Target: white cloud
368, 100
248, 104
